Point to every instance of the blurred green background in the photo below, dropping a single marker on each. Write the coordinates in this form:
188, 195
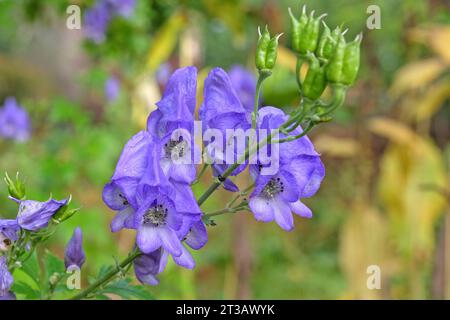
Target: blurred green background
385, 198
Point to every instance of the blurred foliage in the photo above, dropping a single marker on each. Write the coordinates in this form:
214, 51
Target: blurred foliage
384, 201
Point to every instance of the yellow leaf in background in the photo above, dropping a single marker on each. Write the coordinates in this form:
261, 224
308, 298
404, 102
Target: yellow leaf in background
363, 243
408, 167
336, 146
416, 75
143, 100
432, 100
437, 37
165, 41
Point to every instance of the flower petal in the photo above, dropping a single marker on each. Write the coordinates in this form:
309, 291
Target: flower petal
148, 239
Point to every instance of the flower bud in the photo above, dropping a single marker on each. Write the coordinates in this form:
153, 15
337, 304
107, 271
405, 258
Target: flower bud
351, 61
74, 254
305, 31
16, 188
266, 50
315, 80
334, 67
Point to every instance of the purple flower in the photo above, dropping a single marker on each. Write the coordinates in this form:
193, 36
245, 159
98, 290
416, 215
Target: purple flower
74, 254
301, 172
96, 21
119, 194
173, 122
35, 215
8, 233
112, 89
6, 281
244, 83
122, 8
14, 121
148, 266
222, 110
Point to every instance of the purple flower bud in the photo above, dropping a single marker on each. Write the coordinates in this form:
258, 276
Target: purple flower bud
148, 266
122, 8
96, 20
6, 281
35, 215
112, 89
74, 254
14, 121
8, 233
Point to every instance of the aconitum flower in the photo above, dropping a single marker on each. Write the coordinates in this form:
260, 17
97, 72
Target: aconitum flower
122, 8
6, 281
8, 233
173, 123
119, 194
148, 266
244, 83
74, 254
222, 110
112, 88
96, 21
35, 215
14, 121
301, 172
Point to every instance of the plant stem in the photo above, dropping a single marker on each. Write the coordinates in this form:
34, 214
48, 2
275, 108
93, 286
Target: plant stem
108, 276
262, 76
239, 207
201, 173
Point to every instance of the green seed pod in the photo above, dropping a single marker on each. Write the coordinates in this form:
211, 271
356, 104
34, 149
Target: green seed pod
315, 80
261, 49
271, 56
351, 61
297, 28
330, 45
325, 38
334, 67
310, 36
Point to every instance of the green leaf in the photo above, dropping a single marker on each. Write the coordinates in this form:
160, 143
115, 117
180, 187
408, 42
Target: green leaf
126, 290
26, 290
31, 268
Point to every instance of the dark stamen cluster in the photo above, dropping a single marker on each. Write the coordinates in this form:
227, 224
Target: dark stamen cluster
156, 215
273, 187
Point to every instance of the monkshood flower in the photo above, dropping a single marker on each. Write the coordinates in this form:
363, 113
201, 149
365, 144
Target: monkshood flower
6, 281
35, 215
122, 8
222, 110
244, 83
74, 254
148, 266
97, 18
112, 89
96, 21
301, 172
14, 121
173, 123
8, 233
119, 194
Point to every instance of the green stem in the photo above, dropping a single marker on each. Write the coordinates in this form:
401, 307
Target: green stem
339, 93
239, 207
292, 138
262, 76
298, 68
201, 173
108, 276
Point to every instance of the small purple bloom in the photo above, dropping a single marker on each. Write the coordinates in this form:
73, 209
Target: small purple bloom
112, 89
148, 266
14, 121
6, 281
8, 233
301, 172
35, 215
222, 110
96, 21
122, 8
244, 83
74, 254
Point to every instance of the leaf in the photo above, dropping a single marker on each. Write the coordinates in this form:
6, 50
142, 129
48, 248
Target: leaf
336, 146
31, 268
26, 290
123, 288
432, 100
53, 264
416, 75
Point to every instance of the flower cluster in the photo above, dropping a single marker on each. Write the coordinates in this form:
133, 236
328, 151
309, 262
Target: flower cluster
97, 18
34, 222
14, 121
